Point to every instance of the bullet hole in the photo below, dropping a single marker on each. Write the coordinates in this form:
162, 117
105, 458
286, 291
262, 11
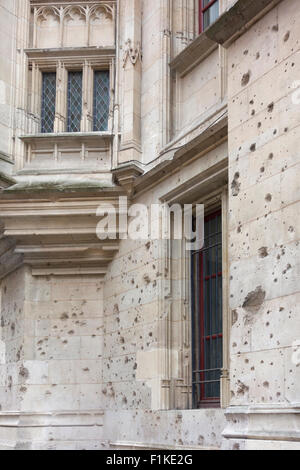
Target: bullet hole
122, 340
263, 252
253, 112
234, 317
251, 102
116, 309
64, 316
266, 384
235, 185
71, 332
291, 229
253, 147
23, 389
262, 170
287, 36
148, 244
286, 129
23, 372
253, 302
268, 197
234, 345
65, 342
259, 125
13, 328
147, 279
275, 28
242, 388
271, 156
246, 78
271, 107
257, 55
239, 229
124, 400
86, 370
246, 52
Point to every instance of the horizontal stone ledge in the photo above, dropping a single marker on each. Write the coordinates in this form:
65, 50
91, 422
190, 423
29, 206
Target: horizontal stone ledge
71, 52
55, 137
235, 21
263, 409
130, 445
263, 436
51, 419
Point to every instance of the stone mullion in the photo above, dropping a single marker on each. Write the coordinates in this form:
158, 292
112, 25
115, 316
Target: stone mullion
87, 98
36, 91
61, 98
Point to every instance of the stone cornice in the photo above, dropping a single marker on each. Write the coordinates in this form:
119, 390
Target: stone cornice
214, 134
56, 233
235, 21
228, 27
71, 53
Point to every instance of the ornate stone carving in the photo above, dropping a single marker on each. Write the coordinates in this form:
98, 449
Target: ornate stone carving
133, 52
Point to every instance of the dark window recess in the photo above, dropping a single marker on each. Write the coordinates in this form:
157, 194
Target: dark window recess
48, 102
208, 12
207, 330
74, 101
101, 100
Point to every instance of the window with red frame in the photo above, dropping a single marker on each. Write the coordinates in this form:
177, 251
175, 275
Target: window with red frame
208, 13
207, 337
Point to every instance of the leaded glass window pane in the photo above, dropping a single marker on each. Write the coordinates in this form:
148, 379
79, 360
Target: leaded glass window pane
74, 101
101, 100
48, 102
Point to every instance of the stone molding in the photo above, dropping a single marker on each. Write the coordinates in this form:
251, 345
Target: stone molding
62, 11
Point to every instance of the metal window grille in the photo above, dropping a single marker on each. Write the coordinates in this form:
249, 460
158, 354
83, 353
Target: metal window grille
48, 102
209, 13
101, 100
74, 101
207, 337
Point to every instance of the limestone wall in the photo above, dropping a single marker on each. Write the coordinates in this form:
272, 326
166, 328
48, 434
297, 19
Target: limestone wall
264, 216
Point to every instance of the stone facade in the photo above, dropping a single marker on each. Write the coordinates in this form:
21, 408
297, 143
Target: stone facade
95, 335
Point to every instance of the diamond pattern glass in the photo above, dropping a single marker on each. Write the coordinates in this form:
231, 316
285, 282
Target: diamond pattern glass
48, 102
101, 100
74, 101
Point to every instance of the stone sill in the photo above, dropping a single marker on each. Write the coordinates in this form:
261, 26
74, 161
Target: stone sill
228, 27
70, 52
74, 136
193, 54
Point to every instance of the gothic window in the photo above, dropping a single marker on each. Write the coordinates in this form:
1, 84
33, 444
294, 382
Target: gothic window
209, 13
207, 328
74, 111
101, 100
48, 101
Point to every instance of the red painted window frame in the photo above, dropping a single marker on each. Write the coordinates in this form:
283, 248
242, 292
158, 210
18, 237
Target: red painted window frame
202, 10
206, 401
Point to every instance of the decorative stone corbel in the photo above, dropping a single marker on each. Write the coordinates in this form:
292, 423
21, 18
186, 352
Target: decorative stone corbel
126, 174
133, 52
